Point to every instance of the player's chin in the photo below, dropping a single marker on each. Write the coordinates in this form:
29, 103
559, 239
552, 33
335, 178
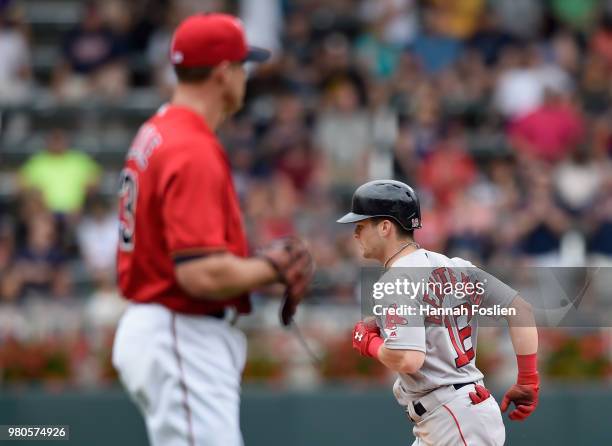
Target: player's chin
238, 102
233, 108
233, 105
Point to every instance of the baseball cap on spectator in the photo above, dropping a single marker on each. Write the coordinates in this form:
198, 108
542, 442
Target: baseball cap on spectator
206, 40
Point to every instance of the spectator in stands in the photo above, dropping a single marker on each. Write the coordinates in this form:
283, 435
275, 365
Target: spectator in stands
435, 49
379, 57
601, 40
473, 226
297, 39
263, 22
436, 225
397, 20
343, 134
554, 64
578, 181
449, 170
384, 125
64, 176
598, 223
518, 88
551, 131
15, 70
392, 25
595, 90
521, 18
460, 19
288, 126
93, 62
490, 39
579, 15
38, 267
30, 206
335, 66
426, 114
502, 181
566, 53
405, 162
463, 90
300, 162
270, 209
539, 222
97, 236
288, 147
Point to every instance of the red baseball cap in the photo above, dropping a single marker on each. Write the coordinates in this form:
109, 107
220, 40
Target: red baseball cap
206, 40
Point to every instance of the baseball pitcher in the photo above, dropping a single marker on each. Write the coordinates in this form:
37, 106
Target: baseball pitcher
432, 343
183, 260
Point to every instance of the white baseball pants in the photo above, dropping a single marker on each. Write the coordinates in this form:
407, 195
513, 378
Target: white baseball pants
183, 372
458, 422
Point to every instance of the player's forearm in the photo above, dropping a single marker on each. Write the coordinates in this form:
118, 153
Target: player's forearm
524, 335
223, 277
522, 327
524, 340
402, 361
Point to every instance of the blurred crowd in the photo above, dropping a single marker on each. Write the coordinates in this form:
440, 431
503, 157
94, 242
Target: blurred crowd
498, 112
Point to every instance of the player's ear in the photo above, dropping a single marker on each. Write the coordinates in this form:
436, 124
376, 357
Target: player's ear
221, 72
384, 228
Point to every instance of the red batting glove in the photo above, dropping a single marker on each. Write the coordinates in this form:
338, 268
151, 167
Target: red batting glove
481, 394
524, 394
366, 339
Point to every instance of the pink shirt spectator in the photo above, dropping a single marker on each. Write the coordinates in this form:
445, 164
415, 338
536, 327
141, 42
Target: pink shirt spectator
549, 132
601, 44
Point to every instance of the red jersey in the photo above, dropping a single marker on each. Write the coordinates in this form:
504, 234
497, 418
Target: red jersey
177, 202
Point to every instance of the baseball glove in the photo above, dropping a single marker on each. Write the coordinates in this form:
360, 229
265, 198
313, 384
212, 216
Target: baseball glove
294, 266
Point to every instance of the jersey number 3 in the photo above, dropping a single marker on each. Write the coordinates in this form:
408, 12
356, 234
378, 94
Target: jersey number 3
128, 193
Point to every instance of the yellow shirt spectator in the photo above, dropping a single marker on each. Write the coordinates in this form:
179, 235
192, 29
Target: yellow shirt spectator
63, 176
459, 17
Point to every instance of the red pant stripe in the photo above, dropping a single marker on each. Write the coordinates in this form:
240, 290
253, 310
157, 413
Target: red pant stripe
456, 422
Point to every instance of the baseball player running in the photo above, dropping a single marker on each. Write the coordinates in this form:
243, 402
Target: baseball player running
438, 381
183, 259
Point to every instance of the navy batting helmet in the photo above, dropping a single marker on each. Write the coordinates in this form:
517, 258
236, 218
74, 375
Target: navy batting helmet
385, 198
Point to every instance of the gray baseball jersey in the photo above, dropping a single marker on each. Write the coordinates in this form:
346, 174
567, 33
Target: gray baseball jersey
449, 341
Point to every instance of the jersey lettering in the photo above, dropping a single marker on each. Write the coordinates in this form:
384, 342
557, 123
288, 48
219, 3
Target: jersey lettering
146, 141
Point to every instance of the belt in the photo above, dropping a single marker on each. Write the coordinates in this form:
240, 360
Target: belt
217, 314
420, 409
228, 314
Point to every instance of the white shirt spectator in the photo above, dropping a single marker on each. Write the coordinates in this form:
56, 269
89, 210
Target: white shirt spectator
14, 85
98, 240
263, 21
577, 183
345, 140
518, 91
